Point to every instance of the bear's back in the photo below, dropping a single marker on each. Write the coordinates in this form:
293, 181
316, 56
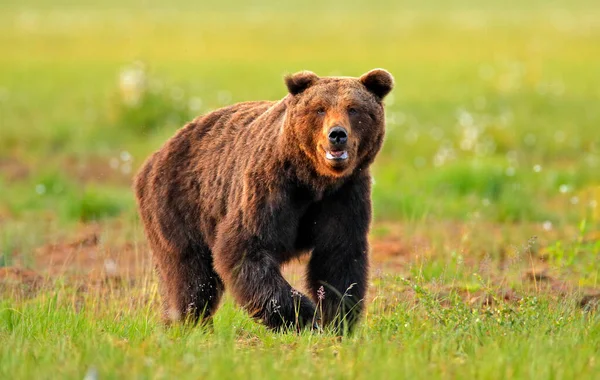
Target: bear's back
189, 180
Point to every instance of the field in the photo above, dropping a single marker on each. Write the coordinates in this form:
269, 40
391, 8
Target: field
486, 242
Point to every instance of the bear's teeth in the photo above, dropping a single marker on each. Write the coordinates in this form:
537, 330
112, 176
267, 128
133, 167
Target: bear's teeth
337, 155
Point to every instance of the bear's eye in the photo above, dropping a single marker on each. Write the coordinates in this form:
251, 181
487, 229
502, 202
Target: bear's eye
352, 111
321, 111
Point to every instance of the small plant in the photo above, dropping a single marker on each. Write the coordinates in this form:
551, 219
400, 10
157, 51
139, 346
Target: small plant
320, 298
297, 299
145, 104
92, 205
564, 254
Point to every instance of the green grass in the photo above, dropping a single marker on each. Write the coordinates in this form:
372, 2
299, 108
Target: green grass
121, 337
505, 90
492, 138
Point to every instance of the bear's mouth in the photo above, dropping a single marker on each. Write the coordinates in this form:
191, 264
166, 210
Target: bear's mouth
336, 155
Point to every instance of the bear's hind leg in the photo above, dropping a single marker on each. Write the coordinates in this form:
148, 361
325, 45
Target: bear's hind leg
191, 288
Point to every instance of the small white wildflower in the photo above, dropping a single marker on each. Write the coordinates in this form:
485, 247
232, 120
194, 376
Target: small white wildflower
547, 225
40, 188
91, 374
125, 156
132, 83
195, 104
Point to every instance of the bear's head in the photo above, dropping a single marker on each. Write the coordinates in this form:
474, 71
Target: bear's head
337, 122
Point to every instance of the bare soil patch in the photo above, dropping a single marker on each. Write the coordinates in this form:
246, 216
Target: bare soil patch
97, 256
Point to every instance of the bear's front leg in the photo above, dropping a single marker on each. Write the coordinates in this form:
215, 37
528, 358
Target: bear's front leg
253, 275
338, 268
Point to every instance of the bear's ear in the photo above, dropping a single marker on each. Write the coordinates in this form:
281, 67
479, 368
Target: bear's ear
296, 83
378, 81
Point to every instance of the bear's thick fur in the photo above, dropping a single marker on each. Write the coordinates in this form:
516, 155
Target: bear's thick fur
240, 191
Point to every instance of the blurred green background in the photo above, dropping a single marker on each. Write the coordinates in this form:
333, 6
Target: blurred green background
495, 115
493, 138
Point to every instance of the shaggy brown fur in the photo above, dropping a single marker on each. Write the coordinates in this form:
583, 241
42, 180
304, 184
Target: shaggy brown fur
238, 192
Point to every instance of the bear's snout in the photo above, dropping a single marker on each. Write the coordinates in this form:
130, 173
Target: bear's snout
338, 137
338, 142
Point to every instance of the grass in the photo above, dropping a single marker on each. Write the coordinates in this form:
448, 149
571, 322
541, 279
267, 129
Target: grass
435, 337
492, 140
504, 98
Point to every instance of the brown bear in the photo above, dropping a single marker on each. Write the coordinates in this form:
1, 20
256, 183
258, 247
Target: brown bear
240, 191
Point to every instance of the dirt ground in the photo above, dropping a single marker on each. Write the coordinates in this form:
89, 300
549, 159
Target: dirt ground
86, 254
94, 256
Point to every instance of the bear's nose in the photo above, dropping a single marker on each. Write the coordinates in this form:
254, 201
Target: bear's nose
338, 136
